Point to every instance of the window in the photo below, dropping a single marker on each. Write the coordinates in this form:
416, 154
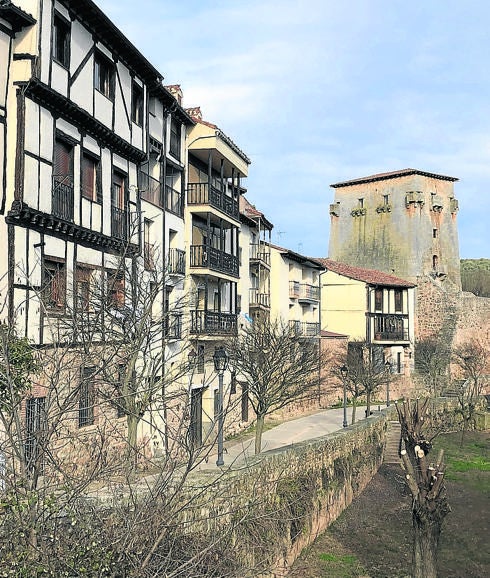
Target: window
175, 138
361, 202
435, 262
398, 300
62, 193
137, 104
119, 223
91, 178
386, 200
61, 41
86, 397
200, 359
434, 233
115, 289
35, 426
54, 284
84, 281
104, 76
148, 246
378, 299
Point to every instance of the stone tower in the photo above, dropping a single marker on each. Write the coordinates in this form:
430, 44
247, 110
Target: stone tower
401, 222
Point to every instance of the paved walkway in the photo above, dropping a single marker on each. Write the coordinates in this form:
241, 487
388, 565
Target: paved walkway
288, 433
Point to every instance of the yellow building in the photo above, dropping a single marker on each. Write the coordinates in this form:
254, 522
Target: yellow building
373, 306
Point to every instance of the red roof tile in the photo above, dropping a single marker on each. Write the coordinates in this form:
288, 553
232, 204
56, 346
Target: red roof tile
392, 175
370, 276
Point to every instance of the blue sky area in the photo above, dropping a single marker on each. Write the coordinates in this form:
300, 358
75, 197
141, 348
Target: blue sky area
320, 91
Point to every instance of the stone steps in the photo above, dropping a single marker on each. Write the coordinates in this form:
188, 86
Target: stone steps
392, 443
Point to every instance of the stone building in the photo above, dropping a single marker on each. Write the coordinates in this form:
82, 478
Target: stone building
401, 222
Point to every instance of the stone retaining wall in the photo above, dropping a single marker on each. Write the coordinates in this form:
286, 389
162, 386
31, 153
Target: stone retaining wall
282, 500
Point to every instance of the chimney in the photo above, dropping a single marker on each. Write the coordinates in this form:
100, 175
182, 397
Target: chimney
195, 113
176, 92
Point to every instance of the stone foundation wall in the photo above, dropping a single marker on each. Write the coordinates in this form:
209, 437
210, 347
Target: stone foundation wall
282, 500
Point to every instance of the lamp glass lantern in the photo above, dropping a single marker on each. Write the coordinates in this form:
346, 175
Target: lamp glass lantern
220, 359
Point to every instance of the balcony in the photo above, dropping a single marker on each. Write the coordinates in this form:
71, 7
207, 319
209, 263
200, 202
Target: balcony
214, 259
205, 194
119, 223
213, 322
172, 326
304, 291
390, 328
258, 299
305, 328
151, 190
260, 253
62, 197
174, 201
176, 262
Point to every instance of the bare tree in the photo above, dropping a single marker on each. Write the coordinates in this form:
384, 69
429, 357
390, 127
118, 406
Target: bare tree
279, 366
432, 356
473, 360
425, 480
366, 373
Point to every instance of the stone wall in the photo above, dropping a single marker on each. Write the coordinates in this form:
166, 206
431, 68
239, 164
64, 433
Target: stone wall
282, 500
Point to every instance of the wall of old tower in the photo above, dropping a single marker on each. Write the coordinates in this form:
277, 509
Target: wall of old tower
405, 225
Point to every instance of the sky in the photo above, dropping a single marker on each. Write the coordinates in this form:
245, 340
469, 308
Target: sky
316, 92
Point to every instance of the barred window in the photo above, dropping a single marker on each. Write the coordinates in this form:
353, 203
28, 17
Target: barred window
86, 397
54, 284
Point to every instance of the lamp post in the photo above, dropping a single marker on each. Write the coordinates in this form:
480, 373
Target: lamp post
220, 359
344, 370
388, 370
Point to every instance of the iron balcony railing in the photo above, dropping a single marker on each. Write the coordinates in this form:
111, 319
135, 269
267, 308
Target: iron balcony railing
260, 252
204, 194
213, 322
259, 299
305, 328
119, 223
214, 259
176, 262
304, 291
151, 190
62, 197
174, 201
389, 327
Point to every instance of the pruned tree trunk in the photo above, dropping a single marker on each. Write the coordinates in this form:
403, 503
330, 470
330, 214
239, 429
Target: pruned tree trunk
425, 543
426, 483
132, 458
259, 430
368, 404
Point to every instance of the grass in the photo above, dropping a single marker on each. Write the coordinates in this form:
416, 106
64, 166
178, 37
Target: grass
467, 463
339, 565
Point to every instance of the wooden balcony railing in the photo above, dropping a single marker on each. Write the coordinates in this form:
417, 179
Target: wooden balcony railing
176, 262
204, 194
214, 259
258, 299
260, 252
213, 322
305, 328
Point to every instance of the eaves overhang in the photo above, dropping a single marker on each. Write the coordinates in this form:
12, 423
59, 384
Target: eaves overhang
15, 16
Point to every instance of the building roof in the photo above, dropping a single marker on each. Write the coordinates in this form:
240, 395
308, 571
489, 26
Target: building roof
332, 335
15, 15
196, 115
310, 261
392, 175
251, 212
369, 276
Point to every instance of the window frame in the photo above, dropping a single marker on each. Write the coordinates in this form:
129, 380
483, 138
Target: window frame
115, 288
51, 303
378, 299
137, 103
86, 397
93, 192
104, 76
61, 43
398, 300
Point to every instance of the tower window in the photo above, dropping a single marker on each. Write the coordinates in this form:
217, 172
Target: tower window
386, 200
361, 202
434, 233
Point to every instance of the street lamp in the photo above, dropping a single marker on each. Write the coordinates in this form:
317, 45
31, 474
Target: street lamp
220, 359
344, 370
388, 370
